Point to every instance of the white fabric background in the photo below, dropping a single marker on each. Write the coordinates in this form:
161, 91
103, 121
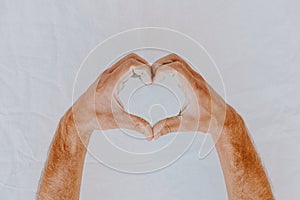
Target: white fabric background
255, 44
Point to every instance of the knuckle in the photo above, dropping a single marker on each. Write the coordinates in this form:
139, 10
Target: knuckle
132, 55
131, 63
139, 126
175, 57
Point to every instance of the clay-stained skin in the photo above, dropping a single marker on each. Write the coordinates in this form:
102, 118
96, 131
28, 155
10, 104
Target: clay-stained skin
244, 175
63, 170
100, 108
97, 108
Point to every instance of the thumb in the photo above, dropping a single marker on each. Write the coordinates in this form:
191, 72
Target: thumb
167, 125
133, 122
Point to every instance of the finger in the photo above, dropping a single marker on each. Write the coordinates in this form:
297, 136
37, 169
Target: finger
167, 60
175, 58
124, 59
133, 68
130, 67
133, 122
175, 67
188, 82
165, 126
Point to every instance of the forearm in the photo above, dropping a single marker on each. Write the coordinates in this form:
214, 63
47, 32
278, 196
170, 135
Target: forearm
62, 174
243, 171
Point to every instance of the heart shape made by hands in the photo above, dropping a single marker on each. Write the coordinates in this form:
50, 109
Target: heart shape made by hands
171, 65
147, 94
102, 98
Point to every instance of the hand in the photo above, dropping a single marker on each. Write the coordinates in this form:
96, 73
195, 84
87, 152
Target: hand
99, 107
205, 109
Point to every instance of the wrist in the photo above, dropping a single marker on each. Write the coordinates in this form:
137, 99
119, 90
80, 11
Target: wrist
84, 115
68, 140
75, 127
232, 119
226, 121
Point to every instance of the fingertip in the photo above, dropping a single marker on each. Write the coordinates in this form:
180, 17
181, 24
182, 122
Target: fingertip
157, 129
157, 136
149, 135
149, 138
146, 129
143, 73
166, 126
